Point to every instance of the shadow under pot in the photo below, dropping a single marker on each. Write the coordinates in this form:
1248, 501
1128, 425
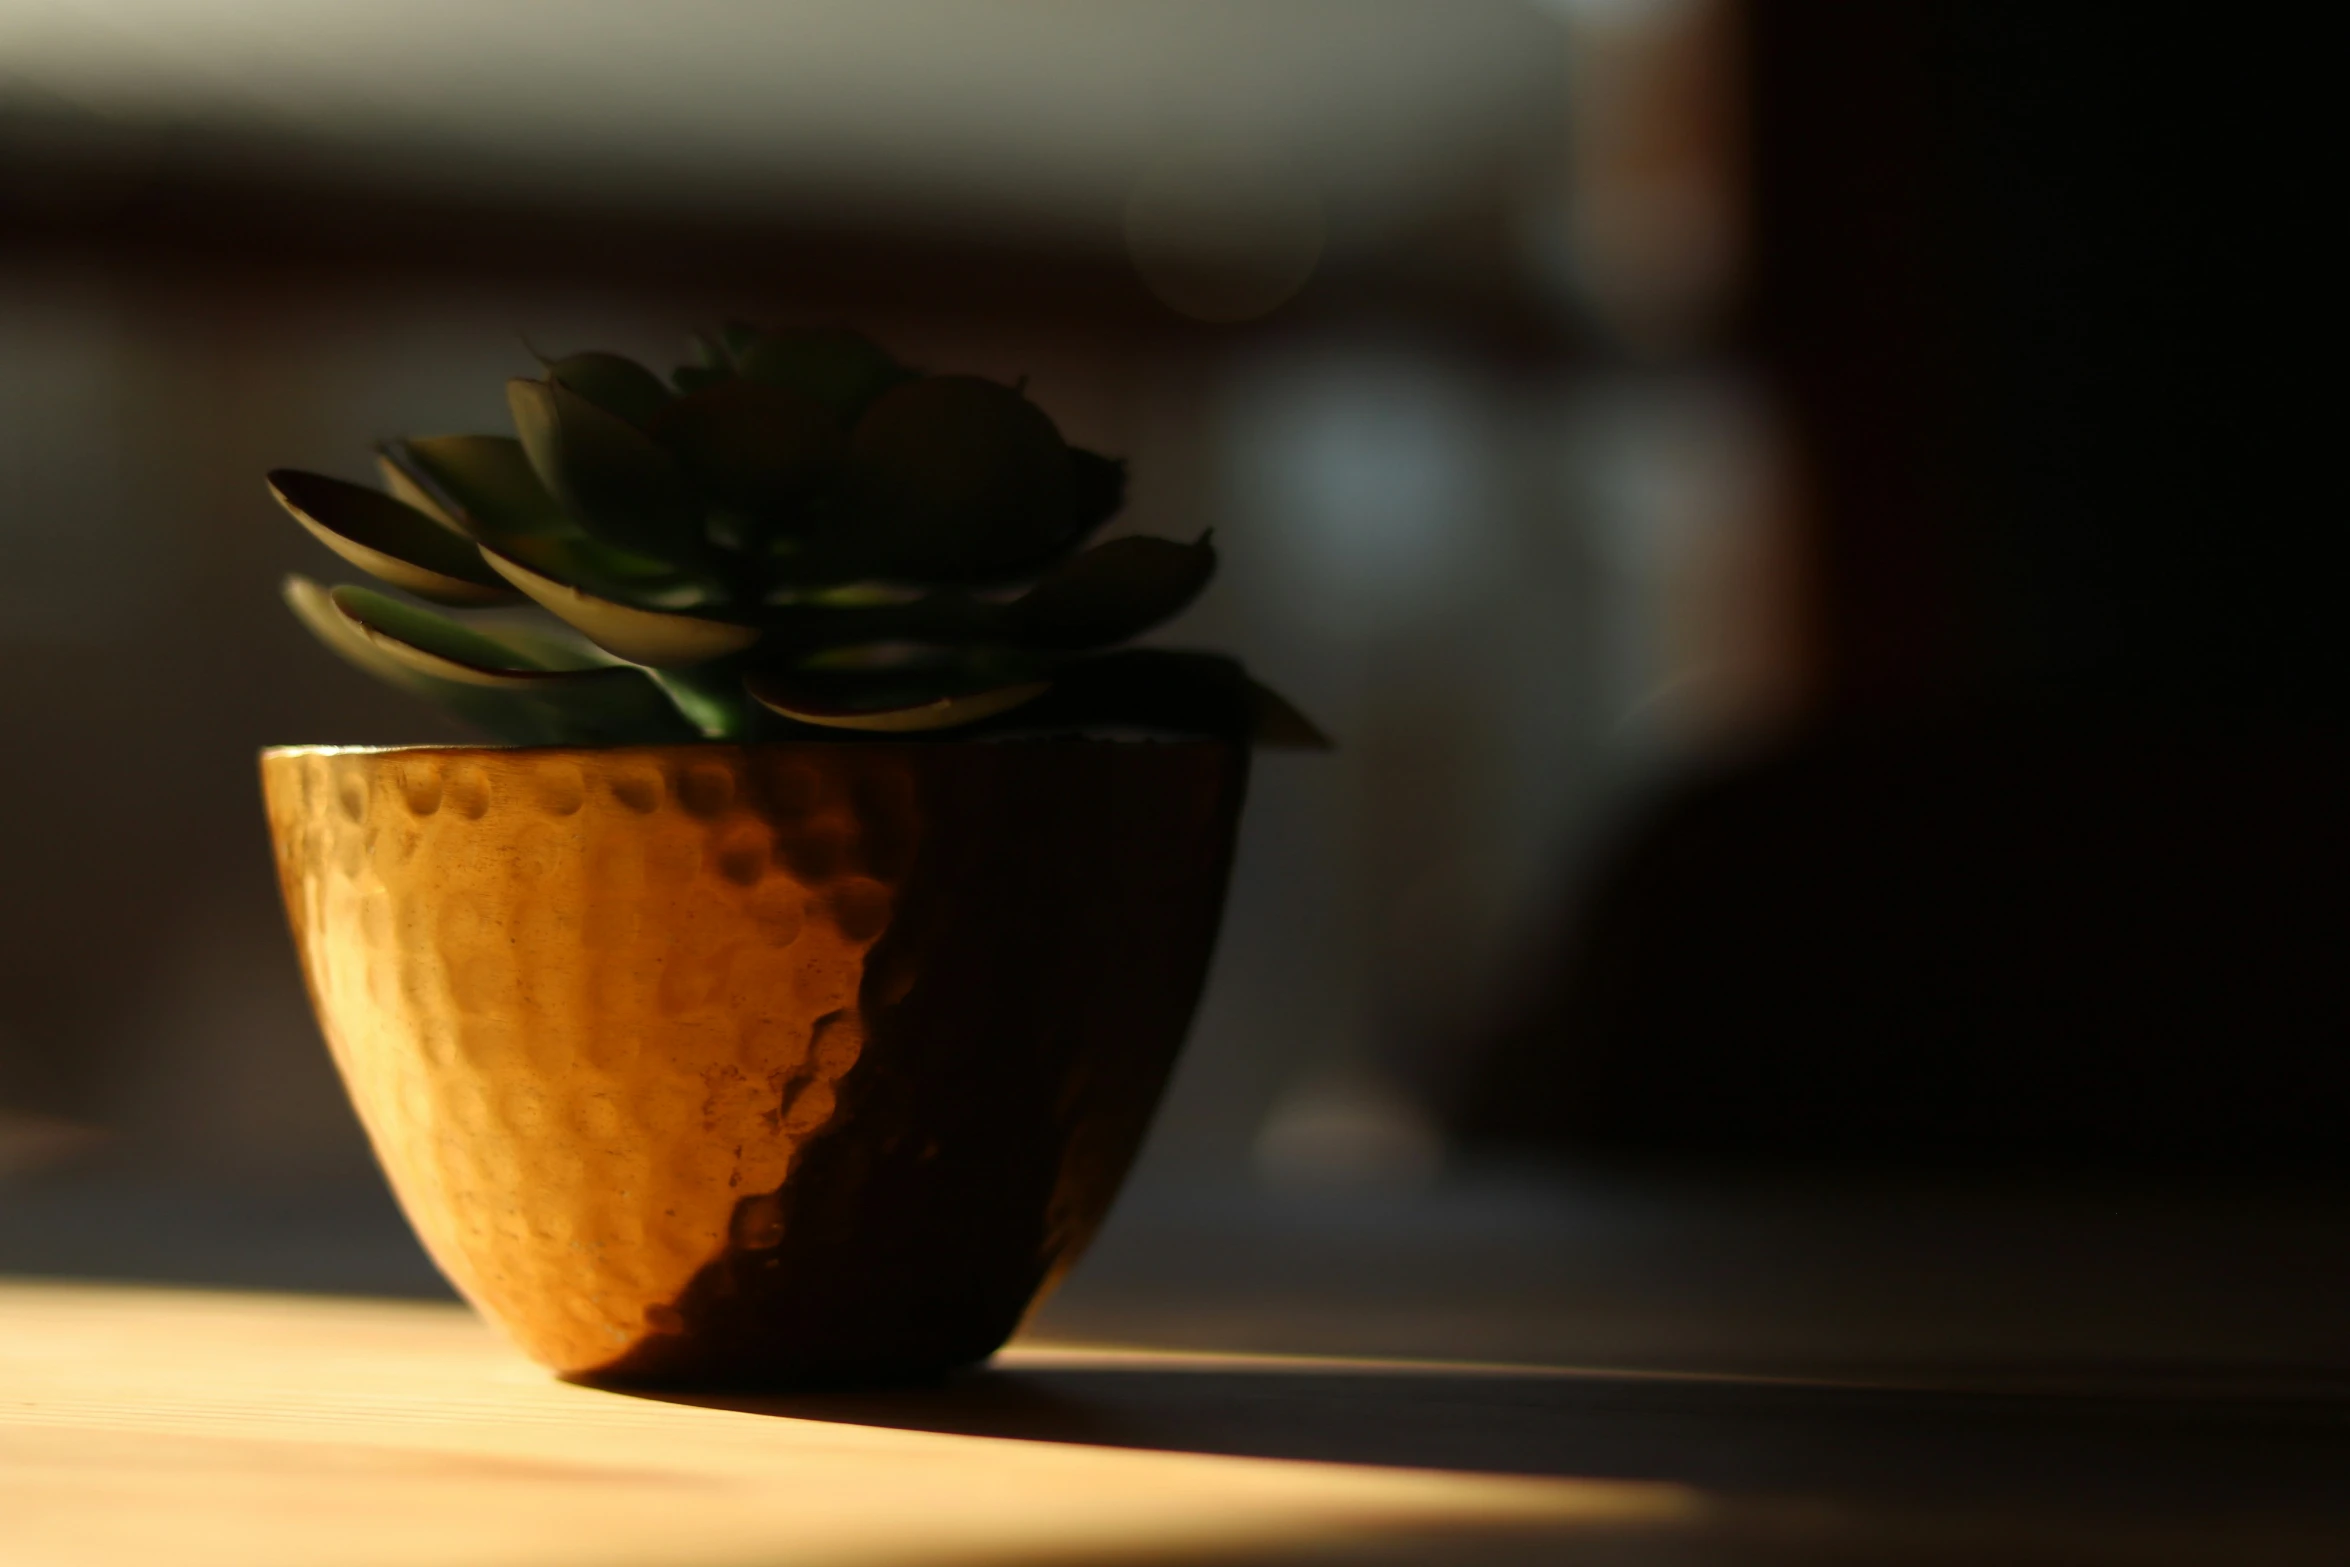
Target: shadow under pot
763, 1065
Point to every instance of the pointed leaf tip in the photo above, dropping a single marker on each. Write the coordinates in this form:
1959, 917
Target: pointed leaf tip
1277, 725
388, 539
1112, 592
613, 382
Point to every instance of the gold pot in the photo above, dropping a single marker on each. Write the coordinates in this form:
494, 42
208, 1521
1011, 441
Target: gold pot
759, 1064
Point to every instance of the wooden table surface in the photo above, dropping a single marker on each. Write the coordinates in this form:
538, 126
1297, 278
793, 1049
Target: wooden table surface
147, 1425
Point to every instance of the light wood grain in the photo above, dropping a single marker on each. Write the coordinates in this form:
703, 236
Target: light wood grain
150, 1425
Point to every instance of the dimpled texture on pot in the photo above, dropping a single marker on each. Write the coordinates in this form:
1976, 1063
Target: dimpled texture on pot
756, 1065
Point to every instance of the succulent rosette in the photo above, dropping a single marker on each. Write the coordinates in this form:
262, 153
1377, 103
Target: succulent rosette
793, 536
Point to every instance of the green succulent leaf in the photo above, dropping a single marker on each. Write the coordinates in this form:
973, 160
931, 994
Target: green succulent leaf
433, 644
558, 648
388, 538
849, 595
483, 486
792, 533
660, 639
403, 487
614, 480
840, 370
608, 571
956, 478
515, 718
582, 697
943, 619
617, 384
322, 619
1112, 592
878, 691
759, 449
1275, 722
712, 698
945, 666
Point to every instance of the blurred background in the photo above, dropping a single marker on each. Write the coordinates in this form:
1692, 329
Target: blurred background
1796, 513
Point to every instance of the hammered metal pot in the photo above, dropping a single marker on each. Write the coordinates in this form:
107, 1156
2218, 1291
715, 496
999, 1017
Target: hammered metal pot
756, 1065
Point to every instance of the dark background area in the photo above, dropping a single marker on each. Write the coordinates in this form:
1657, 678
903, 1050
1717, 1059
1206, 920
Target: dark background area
1811, 522
2053, 869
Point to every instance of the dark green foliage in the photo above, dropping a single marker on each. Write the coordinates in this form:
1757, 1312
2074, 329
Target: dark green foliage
758, 450
389, 538
958, 478
839, 370
1111, 593
482, 486
619, 484
619, 386
795, 535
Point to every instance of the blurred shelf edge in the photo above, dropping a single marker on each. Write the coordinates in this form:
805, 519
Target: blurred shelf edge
194, 203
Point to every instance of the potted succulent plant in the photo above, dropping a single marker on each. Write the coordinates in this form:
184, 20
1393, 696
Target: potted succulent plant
784, 997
